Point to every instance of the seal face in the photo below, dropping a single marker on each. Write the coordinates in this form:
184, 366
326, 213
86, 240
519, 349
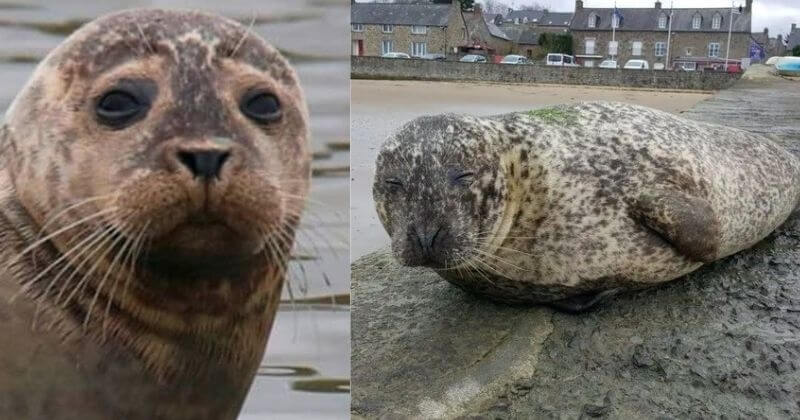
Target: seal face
158, 164
576, 200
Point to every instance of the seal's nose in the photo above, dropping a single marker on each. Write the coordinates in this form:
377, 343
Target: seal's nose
206, 164
427, 240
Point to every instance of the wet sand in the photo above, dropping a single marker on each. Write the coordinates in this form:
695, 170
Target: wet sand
380, 107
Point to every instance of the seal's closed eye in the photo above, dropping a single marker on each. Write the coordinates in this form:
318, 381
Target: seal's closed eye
118, 107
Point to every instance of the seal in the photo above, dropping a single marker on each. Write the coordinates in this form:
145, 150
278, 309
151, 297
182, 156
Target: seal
155, 167
570, 204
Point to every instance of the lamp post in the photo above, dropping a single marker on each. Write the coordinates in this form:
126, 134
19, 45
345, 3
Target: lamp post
669, 35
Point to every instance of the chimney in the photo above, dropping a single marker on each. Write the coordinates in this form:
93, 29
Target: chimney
748, 5
658, 5
794, 26
579, 6
766, 31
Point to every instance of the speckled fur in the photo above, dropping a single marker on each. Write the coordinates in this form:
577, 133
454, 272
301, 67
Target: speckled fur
611, 195
174, 346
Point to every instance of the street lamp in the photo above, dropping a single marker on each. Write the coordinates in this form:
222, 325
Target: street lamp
730, 29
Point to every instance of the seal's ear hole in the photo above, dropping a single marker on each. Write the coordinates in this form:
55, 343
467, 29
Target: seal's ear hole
118, 108
262, 107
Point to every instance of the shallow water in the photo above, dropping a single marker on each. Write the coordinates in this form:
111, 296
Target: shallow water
305, 372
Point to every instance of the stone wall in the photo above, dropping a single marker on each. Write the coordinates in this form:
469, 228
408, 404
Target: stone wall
401, 36
383, 68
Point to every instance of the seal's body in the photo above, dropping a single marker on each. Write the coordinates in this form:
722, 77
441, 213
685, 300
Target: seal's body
154, 171
577, 200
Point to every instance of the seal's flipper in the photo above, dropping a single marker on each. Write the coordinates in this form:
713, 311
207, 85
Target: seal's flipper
581, 303
686, 222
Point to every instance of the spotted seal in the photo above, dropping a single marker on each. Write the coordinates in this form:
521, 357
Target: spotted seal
154, 169
576, 202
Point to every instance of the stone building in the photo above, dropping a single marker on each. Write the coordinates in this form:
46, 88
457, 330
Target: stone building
423, 28
697, 34
793, 38
770, 46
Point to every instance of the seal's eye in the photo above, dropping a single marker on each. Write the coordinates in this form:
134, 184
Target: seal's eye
393, 184
117, 108
261, 107
464, 178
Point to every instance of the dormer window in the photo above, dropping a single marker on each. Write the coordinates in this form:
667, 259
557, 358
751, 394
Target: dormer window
516, 21
594, 20
525, 19
716, 21
696, 21
662, 21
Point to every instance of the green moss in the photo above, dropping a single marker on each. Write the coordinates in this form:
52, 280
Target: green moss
555, 115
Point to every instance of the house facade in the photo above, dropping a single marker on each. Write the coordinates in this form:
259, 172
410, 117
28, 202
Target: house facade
423, 28
793, 38
647, 34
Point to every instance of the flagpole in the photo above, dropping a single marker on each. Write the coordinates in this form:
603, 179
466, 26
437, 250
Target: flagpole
728, 47
669, 35
614, 28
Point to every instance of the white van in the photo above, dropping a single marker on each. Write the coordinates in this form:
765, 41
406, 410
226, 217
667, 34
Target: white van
561, 60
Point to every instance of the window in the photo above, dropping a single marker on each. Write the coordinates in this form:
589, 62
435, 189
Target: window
713, 49
418, 49
615, 21
387, 46
696, 22
612, 47
662, 21
661, 49
689, 51
594, 20
589, 45
716, 22
358, 27
525, 19
419, 29
388, 29
516, 21
637, 48
588, 63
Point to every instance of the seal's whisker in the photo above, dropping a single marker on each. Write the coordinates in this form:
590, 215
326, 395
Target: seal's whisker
128, 260
144, 39
108, 235
84, 245
502, 260
120, 252
86, 276
140, 246
244, 36
27, 284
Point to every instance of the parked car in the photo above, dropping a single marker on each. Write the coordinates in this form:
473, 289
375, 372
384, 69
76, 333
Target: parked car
686, 66
473, 58
609, 64
432, 56
562, 60
396, 55
514, 59
637, 65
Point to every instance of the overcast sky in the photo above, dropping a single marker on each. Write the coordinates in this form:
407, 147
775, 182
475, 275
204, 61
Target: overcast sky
777, 15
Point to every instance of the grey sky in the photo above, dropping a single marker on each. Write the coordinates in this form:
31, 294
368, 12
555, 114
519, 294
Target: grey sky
777, 15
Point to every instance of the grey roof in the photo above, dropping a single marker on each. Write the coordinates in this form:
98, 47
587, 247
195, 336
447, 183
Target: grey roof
496, 31
541, 17
399, 14
522, 34
640, 19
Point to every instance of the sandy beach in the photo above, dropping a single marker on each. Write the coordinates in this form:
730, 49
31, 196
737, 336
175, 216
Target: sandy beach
381, 106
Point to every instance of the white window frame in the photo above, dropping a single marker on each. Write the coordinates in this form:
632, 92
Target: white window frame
358, 27
386, 42
613, 47
586, 43
387, 29
592, 20
697, 20
418, 49
716, 21
660, 49
634, 45
419, 29
662, 21
713, 46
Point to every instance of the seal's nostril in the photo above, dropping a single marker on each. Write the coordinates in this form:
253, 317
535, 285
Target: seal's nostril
205, 164
428, 241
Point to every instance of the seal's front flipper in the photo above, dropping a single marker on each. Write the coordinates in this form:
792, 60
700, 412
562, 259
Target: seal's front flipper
581, 303
686, 222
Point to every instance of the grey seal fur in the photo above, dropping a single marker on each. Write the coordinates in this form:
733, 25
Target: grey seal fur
577, 201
